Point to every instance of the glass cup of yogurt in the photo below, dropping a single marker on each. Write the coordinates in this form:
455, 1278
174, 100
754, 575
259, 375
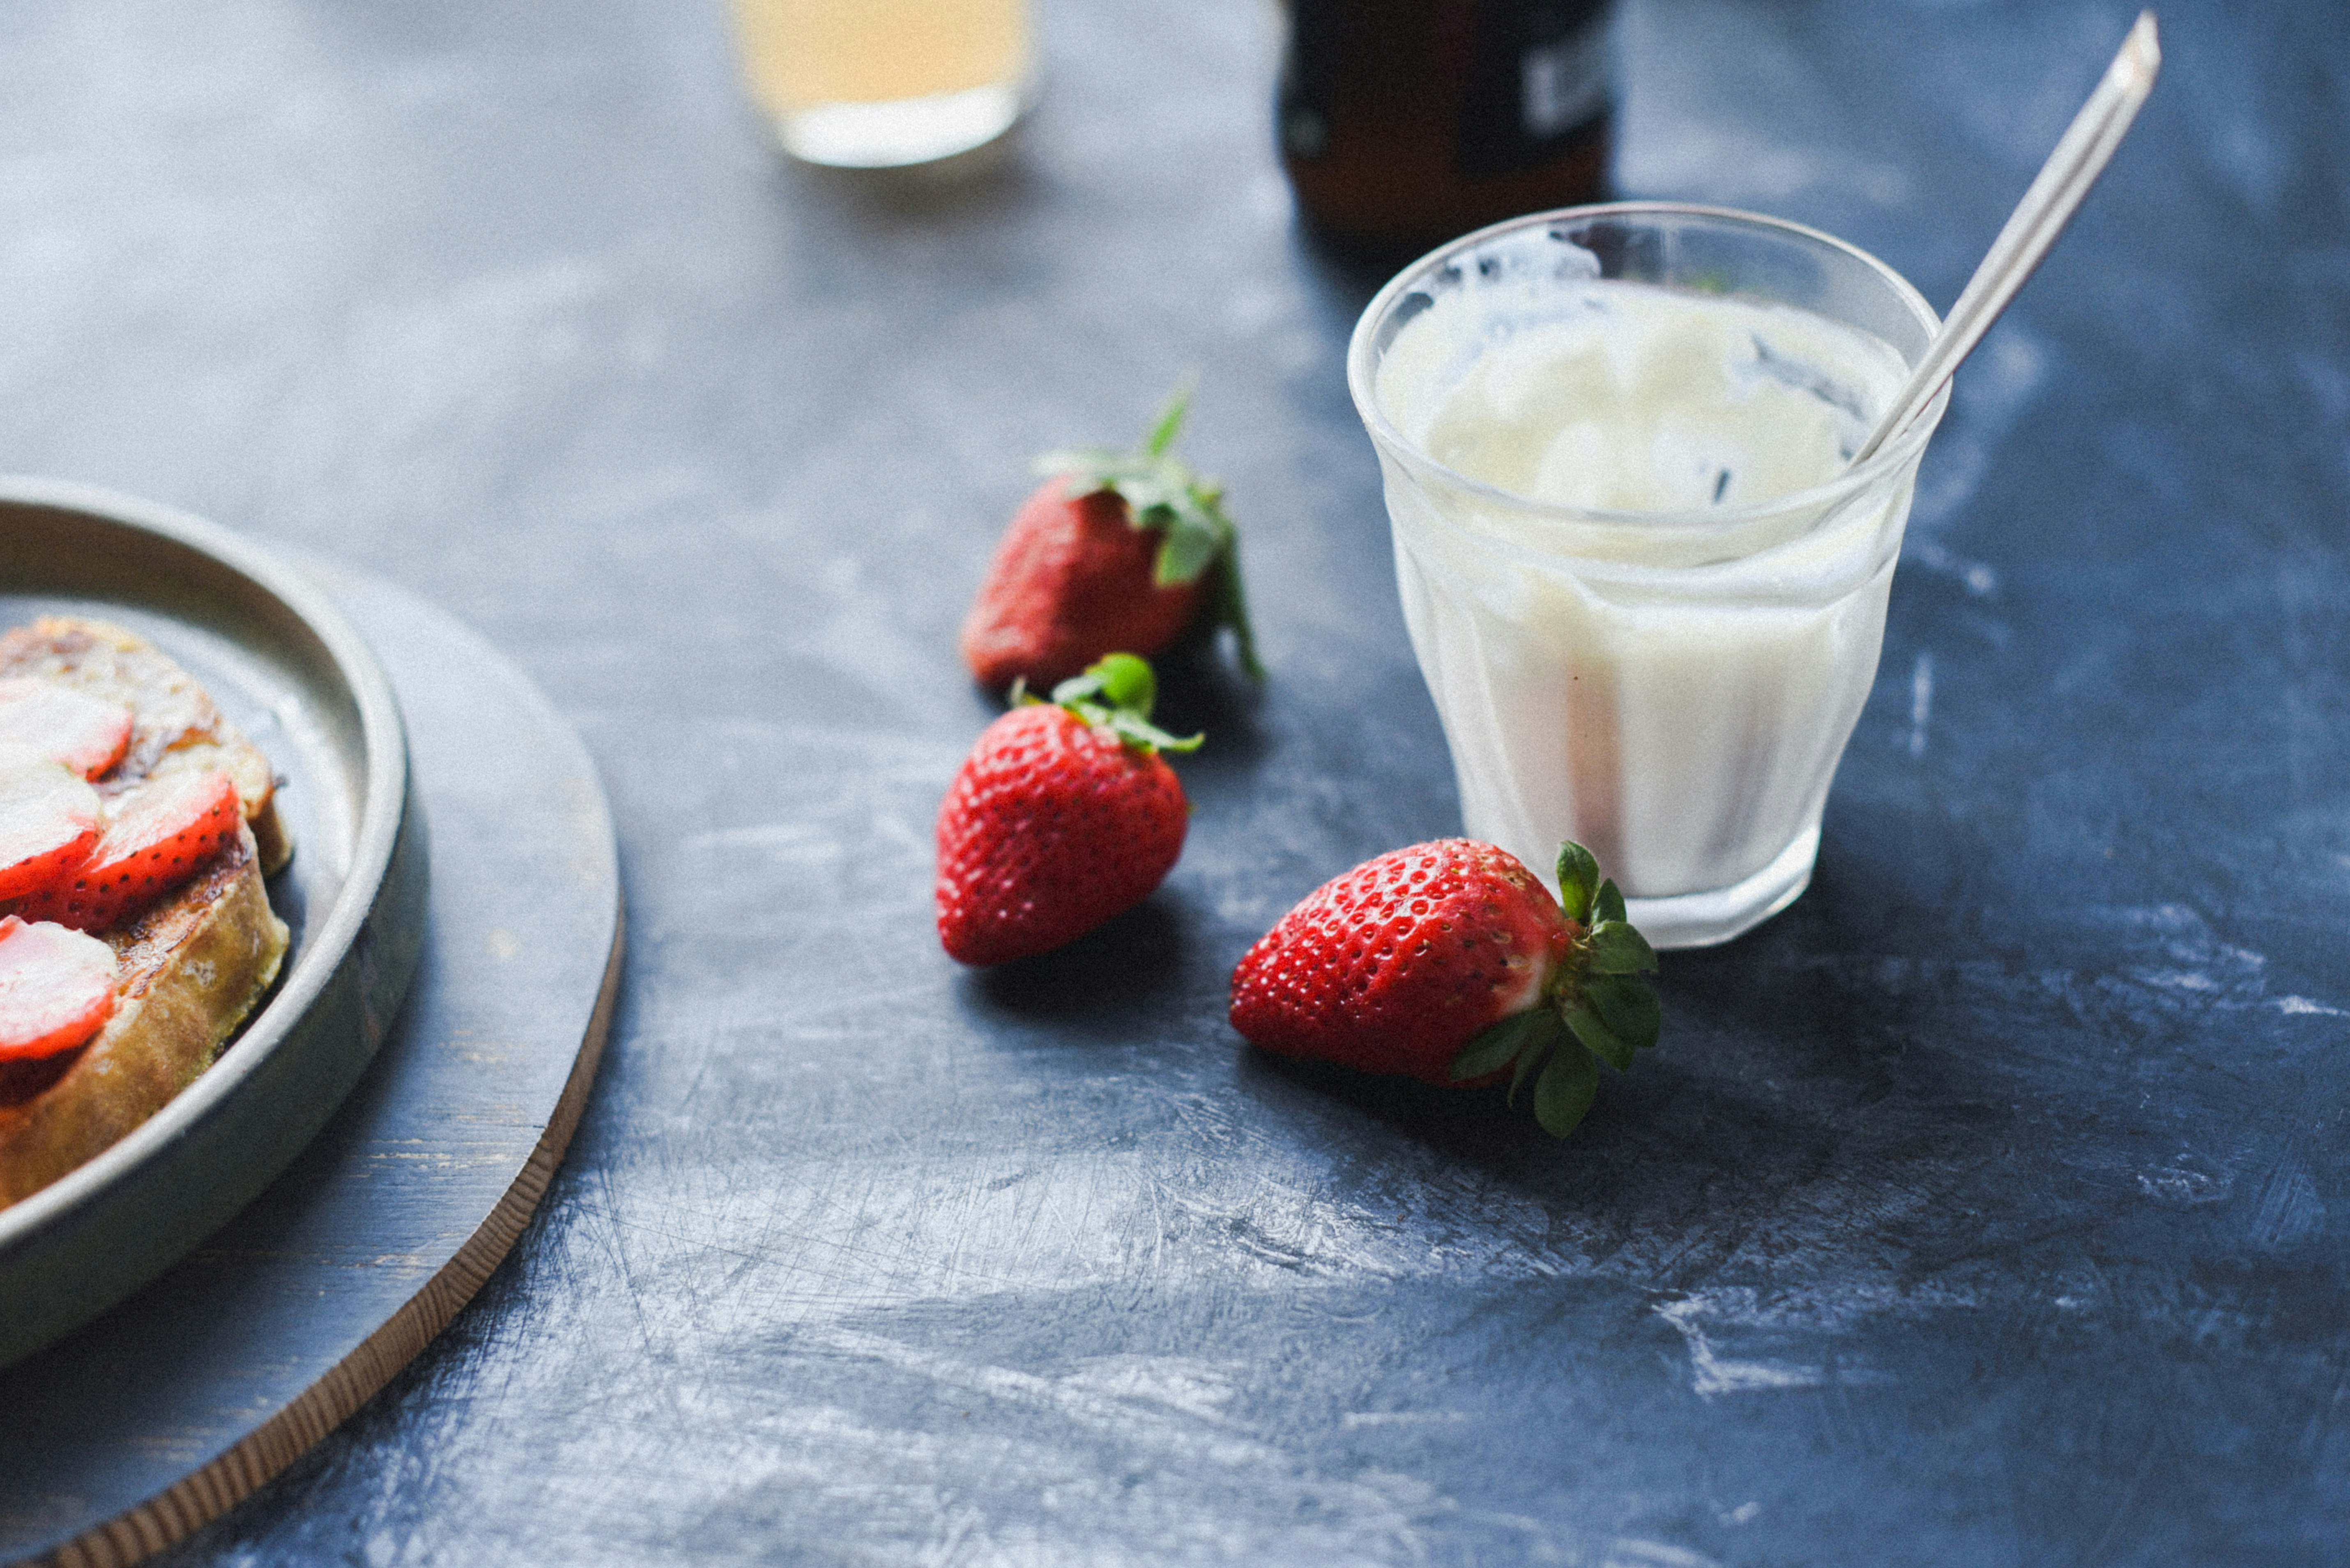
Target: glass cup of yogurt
1644, 581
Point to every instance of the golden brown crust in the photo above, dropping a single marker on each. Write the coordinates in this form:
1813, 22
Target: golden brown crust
174, 726
193, 968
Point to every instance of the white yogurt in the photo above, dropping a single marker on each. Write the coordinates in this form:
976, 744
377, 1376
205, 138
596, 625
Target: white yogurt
1653, 631
1635, 399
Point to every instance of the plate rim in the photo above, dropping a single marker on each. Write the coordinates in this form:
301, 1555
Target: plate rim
326, 942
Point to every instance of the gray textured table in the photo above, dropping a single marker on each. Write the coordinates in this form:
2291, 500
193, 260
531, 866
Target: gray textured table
1988, 1207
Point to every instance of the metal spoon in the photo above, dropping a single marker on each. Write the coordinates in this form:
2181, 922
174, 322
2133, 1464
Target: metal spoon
2079, 157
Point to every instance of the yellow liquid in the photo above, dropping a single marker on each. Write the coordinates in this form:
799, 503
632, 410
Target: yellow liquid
804, 54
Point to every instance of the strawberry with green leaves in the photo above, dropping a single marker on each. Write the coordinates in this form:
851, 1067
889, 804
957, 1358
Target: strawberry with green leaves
1116, 551
1452, 963
1063, 815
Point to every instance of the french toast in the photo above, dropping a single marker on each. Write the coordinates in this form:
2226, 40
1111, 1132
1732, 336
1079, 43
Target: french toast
192, 966
174, 726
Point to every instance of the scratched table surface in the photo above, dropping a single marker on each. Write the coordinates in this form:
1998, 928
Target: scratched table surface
1988, 1207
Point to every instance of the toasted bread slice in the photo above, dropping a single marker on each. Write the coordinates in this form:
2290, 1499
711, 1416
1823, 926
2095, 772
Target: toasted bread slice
192, 967
174, 726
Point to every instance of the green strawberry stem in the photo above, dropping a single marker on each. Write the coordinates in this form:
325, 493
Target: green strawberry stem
1117, 693
1170, 419
1231, 609
1594, 1007
1164, 496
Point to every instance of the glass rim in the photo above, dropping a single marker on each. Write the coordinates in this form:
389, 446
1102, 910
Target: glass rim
1888, 459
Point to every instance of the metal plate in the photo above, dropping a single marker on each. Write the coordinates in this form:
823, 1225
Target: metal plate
289, 671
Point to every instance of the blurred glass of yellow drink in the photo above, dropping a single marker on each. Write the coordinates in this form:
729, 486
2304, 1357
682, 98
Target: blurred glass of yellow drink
874, 83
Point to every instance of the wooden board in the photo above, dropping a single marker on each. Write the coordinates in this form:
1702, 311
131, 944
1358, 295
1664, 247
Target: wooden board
131, 1433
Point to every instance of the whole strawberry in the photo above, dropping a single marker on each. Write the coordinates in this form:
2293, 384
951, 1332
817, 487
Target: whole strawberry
1063, 816
1115, 551
1451, 961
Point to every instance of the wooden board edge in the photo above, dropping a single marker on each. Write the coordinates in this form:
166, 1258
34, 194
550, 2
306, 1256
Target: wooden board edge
202, 1496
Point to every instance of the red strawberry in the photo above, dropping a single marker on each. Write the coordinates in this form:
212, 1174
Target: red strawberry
48, 826
156, 837
1116, 550
1449, 961
85, 732
56, 987
1063, 816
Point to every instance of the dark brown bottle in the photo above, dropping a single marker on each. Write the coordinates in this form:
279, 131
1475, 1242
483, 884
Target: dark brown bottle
1405, 122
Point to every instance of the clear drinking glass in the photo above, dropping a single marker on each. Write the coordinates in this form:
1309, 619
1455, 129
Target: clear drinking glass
872, 84
1671, 688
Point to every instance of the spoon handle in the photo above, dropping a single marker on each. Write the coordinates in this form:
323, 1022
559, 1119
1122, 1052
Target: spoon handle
2079, 157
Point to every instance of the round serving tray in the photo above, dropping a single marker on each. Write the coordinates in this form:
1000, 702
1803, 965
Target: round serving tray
290, 672
157, 1416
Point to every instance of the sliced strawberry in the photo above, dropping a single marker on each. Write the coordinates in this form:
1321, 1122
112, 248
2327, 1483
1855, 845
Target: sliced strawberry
56, 989
156, 837
48, 826
85, 732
